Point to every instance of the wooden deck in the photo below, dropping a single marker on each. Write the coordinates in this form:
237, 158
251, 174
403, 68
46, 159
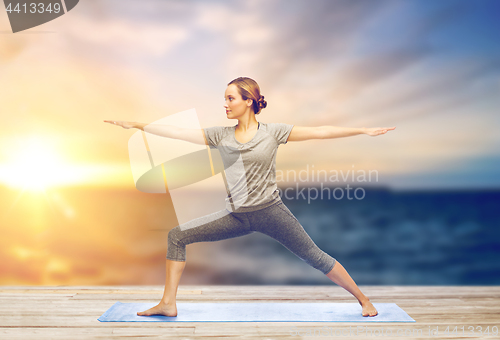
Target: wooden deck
72, 312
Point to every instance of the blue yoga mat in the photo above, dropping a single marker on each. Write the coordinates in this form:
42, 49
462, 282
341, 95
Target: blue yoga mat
257, 312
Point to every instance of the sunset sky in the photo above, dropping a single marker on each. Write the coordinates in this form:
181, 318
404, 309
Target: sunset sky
430, 68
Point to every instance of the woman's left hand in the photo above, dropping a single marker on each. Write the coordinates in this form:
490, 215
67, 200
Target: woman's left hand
378, 130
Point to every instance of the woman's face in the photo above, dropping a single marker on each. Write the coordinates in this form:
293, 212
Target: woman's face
235, 105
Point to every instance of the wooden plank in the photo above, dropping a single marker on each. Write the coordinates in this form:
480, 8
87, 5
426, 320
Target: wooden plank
78, 320
72, 292
72, 312
89, 333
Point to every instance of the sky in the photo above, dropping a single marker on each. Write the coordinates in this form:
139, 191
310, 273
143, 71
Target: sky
432, 69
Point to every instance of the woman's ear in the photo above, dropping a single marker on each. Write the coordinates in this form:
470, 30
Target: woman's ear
249, 102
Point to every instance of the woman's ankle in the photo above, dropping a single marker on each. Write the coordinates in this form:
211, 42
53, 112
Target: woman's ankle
170, 302
364, 299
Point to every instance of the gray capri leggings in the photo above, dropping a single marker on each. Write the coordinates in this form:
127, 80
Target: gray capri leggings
275, 221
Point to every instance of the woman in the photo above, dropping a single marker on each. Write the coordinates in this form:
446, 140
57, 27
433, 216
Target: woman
253, 205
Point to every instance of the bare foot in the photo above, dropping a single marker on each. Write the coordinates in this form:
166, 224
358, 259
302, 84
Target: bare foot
368, 308
160, 309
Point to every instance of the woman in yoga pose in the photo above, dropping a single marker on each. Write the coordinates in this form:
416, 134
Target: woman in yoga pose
253, 202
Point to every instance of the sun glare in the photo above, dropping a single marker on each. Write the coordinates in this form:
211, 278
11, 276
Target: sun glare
35, 165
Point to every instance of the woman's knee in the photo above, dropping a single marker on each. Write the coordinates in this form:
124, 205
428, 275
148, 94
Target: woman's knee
176, 251
320, 260
332, 262
174, 235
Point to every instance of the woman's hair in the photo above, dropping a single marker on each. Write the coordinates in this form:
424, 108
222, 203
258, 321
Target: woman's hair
249, 89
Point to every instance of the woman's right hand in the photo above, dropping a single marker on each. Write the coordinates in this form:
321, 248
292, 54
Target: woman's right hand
123, 124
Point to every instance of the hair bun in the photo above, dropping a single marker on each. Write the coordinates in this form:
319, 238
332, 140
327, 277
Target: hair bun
262, 102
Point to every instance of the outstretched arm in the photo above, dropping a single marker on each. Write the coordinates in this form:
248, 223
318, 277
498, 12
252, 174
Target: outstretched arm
300, 133
196, 136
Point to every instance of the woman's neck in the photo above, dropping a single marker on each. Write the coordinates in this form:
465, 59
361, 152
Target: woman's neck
247, 123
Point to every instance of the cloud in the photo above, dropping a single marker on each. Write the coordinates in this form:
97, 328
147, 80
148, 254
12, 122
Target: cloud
118, 34
447, 87
11, 47
360, 73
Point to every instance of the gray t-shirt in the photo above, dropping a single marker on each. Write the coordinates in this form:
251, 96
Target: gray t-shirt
250, 168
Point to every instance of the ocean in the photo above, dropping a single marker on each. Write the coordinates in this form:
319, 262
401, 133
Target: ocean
386, 238
99, 236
